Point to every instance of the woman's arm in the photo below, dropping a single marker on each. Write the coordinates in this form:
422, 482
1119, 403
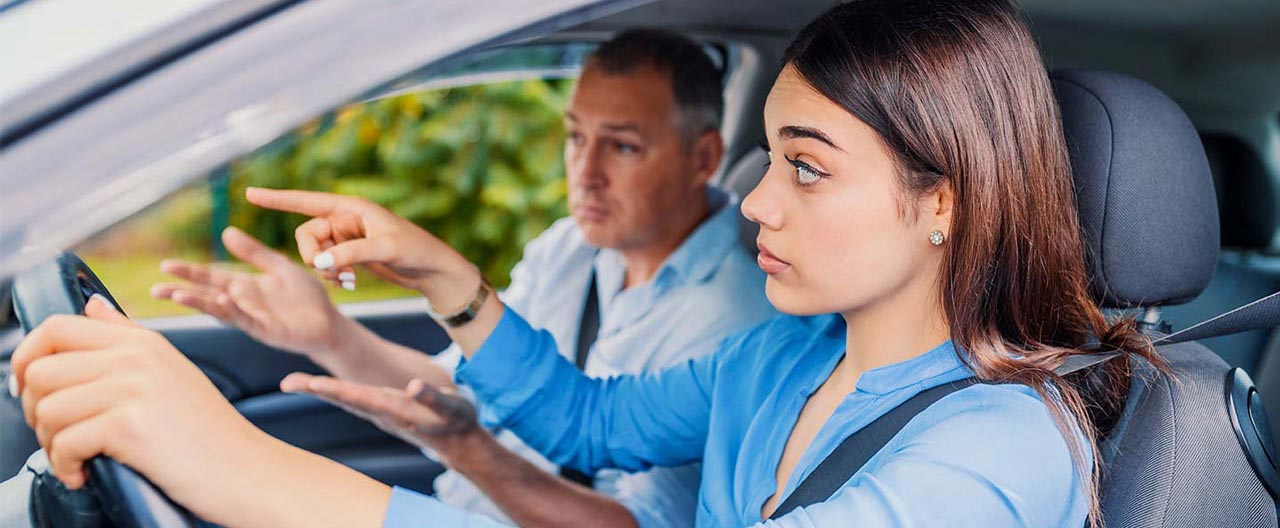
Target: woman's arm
627, 422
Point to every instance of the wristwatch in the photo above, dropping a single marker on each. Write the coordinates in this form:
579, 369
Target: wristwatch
468, 313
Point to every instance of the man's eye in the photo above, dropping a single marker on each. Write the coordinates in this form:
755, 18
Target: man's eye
574, 138
626, 148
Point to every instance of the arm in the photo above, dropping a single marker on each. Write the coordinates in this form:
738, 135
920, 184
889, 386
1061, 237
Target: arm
530, 496
446, 423
626, 422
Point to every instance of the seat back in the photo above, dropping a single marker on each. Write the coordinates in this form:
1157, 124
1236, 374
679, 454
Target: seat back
1178, 455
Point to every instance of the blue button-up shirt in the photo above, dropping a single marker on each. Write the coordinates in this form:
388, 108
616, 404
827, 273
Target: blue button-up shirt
707, 289
986, 455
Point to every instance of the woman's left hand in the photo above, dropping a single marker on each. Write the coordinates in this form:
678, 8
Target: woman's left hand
102, 385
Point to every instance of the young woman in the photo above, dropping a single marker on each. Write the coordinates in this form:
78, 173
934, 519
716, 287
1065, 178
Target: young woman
916, 222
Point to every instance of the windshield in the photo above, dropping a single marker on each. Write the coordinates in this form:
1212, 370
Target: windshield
156, 131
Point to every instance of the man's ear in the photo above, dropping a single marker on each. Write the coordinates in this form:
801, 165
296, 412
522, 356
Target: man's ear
708, 149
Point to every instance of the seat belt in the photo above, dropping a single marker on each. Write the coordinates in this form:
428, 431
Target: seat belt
854, 452
1257, 315
588, 330
858, 448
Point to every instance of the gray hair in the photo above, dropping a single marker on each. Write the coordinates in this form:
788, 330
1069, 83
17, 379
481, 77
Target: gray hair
695, 80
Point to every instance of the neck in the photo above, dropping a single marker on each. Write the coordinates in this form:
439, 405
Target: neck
903, 325
642, 262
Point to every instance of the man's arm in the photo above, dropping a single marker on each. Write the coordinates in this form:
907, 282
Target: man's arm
360, 355
446, 423
528, 495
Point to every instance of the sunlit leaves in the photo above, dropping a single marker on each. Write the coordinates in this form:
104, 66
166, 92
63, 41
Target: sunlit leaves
480, 166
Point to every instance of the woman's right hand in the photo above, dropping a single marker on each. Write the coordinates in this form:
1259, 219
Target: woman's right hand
346, 231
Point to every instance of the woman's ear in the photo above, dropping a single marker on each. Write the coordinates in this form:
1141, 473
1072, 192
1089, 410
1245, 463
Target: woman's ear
943, 202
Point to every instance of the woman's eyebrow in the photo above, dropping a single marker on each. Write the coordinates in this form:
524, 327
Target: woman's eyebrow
794, 132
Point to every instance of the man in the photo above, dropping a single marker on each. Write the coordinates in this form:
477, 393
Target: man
649, 240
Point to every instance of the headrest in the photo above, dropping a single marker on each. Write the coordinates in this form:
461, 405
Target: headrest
1246, 197
1143, 187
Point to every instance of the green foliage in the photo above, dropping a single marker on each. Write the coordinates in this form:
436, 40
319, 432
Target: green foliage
479, 166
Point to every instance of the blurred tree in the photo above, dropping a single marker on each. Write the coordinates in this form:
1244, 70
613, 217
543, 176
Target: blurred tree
480, 166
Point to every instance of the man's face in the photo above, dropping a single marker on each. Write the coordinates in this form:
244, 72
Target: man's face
631, 168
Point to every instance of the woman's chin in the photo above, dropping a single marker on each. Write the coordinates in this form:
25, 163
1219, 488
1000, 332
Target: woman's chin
788, 300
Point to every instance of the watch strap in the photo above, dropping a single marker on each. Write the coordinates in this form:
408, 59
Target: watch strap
468, 313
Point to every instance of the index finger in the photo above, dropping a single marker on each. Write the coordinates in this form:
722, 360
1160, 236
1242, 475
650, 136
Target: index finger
310, 203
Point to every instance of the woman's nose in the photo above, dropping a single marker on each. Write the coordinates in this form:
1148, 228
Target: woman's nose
760, 207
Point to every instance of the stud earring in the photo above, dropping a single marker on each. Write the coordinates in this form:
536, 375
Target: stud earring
937, 238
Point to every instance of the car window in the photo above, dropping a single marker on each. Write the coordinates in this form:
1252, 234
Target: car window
472, 151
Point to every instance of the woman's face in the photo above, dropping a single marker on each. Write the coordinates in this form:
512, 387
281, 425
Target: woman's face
836, 233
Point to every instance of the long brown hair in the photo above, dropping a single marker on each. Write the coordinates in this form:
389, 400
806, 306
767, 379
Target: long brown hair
957, 92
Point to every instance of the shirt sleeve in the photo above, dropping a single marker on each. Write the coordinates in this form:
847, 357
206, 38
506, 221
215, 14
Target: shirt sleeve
628, 422
985, 456
408, 509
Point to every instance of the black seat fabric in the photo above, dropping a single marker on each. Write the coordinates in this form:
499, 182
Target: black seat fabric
1144, 190
1150, 221
1173, 460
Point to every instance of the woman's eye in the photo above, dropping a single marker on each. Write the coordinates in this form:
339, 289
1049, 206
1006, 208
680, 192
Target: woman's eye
575, 138
805, 174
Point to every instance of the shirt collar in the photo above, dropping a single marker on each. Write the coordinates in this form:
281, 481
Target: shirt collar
703, 251
942, 360
696, 258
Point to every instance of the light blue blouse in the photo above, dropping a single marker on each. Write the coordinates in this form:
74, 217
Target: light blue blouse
986, 455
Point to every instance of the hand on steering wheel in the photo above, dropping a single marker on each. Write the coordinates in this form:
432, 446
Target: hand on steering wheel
90, 388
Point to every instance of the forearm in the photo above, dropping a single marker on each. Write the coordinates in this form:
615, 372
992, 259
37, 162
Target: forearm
288, 486
528, 495
360, 355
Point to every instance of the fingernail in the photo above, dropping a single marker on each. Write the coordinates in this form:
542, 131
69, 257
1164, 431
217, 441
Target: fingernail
347, 276
13, 385
323, 261
103, 299
349, 285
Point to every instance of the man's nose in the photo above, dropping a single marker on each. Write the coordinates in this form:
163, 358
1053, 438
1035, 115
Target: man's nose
588, 168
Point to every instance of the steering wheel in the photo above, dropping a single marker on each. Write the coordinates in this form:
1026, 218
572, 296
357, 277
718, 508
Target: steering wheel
63, 286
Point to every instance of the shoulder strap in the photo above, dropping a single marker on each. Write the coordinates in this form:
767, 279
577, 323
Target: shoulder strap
854, 452
589, 328
858, 448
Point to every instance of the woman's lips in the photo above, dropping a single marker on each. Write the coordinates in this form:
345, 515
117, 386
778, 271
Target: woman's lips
768, 262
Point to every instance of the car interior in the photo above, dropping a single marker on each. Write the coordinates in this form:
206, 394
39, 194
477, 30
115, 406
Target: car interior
1172, 114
